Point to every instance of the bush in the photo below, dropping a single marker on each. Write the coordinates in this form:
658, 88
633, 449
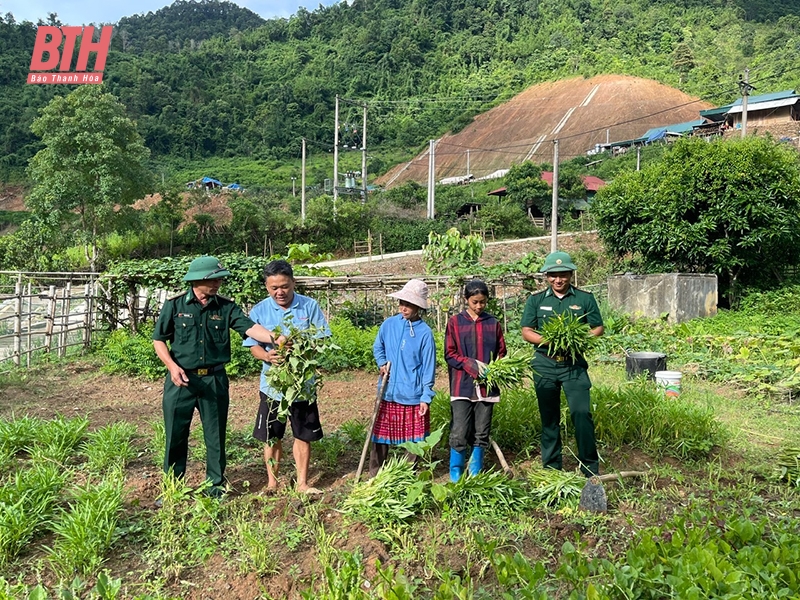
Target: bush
355, 347
128, 353
639, 414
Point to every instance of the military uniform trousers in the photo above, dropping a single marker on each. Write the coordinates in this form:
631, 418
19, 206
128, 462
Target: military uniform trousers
550, 378
209, 395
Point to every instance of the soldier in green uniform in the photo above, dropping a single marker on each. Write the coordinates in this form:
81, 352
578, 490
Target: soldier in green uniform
556, 373
197, 325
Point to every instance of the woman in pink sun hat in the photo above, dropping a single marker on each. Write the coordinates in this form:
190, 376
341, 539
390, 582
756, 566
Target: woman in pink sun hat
405, 341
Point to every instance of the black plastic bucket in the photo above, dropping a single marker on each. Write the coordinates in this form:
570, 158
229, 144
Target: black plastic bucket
637, 363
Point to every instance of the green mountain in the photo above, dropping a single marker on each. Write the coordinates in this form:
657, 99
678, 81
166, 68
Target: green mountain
183, 24
210, 79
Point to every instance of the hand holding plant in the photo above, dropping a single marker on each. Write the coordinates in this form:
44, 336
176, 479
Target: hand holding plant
295, 373
507, 372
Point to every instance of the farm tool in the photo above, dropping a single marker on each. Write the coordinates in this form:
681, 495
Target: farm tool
593, 495
506, 469
378, 398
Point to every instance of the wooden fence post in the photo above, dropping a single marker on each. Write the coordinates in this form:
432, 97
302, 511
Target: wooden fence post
18, 320
50, 318
63, 333
87, 316
505, 311
30, 324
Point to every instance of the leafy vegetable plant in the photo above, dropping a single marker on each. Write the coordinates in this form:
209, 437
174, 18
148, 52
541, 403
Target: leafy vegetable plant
508, 372
567, 336
296, 376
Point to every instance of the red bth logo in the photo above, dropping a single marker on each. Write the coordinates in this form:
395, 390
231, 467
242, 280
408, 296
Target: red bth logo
48, 42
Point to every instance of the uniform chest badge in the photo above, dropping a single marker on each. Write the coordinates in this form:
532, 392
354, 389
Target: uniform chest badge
186, 315
546, 308
215, 318
575, 307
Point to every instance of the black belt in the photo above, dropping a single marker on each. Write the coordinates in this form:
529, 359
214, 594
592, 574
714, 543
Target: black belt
205, 370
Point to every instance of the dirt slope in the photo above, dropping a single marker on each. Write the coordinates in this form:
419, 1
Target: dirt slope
579, 112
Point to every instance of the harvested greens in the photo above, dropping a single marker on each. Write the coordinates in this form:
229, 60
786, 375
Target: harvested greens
567, 336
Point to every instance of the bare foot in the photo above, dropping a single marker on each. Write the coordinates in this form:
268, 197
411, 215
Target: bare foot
308, 490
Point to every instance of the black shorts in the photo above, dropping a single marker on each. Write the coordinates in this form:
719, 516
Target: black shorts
304, 417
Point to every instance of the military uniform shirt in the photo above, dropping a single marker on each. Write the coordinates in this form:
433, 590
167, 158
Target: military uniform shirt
544, 305
199, 336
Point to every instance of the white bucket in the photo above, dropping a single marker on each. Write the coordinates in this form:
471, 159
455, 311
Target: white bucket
670, 381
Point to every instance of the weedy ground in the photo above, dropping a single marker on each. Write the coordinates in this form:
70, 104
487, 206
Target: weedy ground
710, 518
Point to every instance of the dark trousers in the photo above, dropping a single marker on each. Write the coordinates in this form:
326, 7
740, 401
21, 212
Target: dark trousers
549, 380
378, 454
470, 424
209, 395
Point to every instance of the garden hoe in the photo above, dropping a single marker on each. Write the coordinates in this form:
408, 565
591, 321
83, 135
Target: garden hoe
506, 469
593, 494
378, 398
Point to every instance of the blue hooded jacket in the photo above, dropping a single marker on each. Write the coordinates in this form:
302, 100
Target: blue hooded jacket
410, 347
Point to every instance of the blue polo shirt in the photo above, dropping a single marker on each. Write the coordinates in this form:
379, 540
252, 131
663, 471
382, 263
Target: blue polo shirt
303, 312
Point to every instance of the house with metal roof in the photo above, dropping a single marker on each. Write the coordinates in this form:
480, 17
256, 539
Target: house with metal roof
763, 110
671, 131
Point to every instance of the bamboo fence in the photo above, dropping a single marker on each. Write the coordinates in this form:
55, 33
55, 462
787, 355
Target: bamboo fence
57, 313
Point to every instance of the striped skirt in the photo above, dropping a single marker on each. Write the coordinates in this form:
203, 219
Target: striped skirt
399, 423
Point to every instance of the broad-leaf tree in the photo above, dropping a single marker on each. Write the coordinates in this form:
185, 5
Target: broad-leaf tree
727, 207
93, 161
524, 185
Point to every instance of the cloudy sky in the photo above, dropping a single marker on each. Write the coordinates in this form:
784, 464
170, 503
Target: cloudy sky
79, 12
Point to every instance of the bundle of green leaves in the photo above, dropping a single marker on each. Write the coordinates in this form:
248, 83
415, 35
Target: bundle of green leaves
394, 496
550, 487
508, 372
788, 462
566, 336
296, 376
487, 494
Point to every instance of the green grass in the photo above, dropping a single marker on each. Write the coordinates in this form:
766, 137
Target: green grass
85, 529
109, 447
694, 525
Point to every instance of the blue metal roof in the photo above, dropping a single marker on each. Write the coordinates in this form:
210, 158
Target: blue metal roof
766, 97
723, 110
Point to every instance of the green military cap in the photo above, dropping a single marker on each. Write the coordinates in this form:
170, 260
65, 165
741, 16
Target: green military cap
205, 267
558, 262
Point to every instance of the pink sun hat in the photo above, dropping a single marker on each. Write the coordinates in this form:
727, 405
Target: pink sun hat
415, 292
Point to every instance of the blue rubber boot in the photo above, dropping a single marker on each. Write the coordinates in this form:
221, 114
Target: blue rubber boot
476, 460
457, 461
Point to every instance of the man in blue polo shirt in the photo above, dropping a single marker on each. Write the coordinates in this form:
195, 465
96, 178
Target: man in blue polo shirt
304, 312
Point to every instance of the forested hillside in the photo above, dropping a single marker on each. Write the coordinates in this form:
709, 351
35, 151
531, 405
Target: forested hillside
209, 79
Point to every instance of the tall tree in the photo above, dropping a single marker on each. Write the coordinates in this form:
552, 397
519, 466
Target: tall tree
525, 186
93, 161
727, 207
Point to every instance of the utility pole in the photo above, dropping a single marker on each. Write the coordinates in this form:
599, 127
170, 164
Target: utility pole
294, 192
364, 153
335, 155
468, 162
554, 212
303, 185
745, 87
431, 179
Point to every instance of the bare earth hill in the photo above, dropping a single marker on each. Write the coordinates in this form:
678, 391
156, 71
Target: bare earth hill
578, 112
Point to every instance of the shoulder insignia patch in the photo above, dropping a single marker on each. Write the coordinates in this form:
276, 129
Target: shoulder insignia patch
584, 291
